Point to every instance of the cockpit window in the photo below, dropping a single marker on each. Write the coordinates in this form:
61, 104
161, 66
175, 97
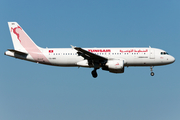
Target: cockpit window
164, 53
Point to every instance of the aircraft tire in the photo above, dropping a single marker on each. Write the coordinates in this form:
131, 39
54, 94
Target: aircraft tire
94, 73
152, 73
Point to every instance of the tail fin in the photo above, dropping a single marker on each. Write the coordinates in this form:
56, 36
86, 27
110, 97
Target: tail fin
21, 41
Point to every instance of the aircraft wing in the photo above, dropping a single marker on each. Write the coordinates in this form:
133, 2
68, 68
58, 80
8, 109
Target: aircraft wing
88, 55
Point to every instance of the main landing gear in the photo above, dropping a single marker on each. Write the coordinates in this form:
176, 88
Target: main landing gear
94, 73
96, 66
152, 73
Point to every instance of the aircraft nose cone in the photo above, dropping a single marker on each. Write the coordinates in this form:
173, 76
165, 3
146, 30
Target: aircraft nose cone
172, 59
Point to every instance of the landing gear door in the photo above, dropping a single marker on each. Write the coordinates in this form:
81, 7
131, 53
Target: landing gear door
152, 54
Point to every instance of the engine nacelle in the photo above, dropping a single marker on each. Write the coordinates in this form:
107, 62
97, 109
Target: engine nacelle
115, 66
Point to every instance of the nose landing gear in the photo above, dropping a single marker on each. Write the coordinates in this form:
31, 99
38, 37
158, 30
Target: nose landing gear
152, 73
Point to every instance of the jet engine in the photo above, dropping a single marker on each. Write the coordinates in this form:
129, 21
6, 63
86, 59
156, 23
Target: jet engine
114, 66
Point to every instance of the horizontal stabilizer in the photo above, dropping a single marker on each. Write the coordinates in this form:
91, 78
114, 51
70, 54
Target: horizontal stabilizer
18, 52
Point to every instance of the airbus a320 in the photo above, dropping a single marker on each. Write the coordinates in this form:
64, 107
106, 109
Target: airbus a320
113, 60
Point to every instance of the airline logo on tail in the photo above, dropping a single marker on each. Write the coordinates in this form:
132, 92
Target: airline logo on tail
14, 31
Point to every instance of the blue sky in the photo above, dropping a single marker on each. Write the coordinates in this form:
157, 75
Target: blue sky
30, 91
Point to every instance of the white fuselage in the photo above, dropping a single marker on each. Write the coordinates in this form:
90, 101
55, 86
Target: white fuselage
131, 56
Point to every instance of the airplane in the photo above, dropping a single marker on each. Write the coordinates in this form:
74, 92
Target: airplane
113, 60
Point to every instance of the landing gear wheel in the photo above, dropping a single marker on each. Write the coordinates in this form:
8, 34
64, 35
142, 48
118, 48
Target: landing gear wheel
152, 73
94, 73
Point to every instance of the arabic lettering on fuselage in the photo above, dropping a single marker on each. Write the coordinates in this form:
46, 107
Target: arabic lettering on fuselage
109, 50
133, 50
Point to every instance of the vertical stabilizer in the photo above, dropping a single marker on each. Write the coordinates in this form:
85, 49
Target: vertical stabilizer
23, 44
21, 41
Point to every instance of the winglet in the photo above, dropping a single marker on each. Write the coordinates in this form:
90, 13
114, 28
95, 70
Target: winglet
73, 46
